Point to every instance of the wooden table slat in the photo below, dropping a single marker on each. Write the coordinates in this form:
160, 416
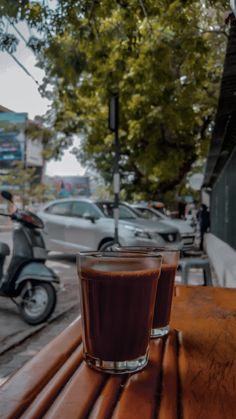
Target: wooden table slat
18, 392
140, 395
206, 320
79, 395
169, 392
52, 390
108, 398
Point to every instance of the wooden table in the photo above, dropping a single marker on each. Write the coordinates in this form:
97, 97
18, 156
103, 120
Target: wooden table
191, 374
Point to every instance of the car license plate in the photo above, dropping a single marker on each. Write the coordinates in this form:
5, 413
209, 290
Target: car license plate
188, 241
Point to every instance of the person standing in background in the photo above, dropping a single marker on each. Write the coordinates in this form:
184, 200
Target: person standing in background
181, 209
203, 217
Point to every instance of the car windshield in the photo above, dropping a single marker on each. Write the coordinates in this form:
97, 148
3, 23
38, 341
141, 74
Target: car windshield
152, 214
107, 209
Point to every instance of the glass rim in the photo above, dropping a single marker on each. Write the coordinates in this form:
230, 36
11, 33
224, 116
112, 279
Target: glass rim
146, 249
114, 254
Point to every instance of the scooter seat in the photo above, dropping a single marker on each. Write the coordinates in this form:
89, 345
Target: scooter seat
4, 249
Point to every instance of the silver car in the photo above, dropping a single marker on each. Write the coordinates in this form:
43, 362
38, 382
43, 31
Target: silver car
74, 224
187, 233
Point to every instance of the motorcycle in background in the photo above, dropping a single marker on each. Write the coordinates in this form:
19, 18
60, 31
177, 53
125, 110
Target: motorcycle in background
27, 281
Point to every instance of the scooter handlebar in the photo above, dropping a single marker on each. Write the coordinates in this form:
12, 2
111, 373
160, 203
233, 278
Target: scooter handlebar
6, 215
25, 217
13, 216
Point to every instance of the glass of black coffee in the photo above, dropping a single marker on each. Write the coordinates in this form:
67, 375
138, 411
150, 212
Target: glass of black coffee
118, 293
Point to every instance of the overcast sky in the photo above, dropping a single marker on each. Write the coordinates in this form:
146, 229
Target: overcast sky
19, 93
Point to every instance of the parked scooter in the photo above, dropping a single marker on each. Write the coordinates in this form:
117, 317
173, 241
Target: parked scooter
28, 281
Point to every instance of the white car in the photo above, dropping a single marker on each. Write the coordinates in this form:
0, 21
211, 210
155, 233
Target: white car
74, 224
187, 233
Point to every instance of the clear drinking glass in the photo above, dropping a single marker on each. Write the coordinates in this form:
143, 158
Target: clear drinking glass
118, 294
165, 287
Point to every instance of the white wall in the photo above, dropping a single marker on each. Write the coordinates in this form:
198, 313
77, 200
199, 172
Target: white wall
223, 259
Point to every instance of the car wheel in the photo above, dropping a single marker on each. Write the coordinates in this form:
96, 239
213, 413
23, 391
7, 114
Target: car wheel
108, 245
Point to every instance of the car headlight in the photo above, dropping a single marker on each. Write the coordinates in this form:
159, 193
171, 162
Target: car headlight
138, 232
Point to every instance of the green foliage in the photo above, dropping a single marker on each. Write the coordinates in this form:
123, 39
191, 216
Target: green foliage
24, 182
48, 137
41, 193
163, 58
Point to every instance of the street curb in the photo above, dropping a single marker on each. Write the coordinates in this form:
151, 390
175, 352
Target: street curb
21, 336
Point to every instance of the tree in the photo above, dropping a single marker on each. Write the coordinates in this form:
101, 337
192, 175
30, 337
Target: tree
162, 58
24, 183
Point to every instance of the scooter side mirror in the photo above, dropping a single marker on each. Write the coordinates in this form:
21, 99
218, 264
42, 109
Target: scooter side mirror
8, 196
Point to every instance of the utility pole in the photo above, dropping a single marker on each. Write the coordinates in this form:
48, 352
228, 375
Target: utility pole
114, 127
25, 166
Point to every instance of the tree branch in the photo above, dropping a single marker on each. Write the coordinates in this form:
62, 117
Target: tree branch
217, 31
169, 184
146, 15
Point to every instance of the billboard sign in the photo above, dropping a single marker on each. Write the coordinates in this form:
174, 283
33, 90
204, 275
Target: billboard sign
66, 186
72, 185
12, 138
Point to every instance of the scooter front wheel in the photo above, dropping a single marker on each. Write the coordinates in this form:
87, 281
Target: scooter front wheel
38, 302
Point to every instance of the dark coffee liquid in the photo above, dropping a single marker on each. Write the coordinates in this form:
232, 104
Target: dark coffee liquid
164, 296
118, 311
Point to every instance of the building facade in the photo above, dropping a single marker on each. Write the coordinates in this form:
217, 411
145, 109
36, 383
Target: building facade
220, 175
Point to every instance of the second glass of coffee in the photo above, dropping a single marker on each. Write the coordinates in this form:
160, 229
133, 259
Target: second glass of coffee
165, 290
165, 287
118, 294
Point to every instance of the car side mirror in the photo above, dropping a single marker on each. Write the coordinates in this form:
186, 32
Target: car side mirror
90, 217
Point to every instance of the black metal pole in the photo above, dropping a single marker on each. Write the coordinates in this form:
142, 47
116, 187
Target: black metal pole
114, 126
25, 167
116, 186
